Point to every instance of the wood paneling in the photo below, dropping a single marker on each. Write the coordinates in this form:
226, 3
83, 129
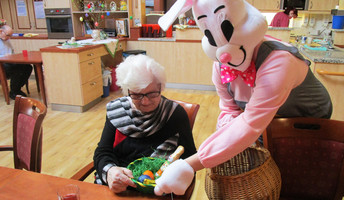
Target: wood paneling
33, 44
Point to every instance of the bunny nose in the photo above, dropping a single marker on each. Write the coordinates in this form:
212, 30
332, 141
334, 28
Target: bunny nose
225, 58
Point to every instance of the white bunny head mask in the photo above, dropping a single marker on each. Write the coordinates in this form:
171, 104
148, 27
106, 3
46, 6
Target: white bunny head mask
232, 28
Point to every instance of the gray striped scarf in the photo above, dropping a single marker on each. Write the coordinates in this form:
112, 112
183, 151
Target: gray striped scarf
133, 123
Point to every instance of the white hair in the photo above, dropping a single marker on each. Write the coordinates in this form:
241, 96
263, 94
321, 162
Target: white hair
136, 72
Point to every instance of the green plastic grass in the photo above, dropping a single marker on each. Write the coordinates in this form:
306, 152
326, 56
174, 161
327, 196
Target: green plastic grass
141, 165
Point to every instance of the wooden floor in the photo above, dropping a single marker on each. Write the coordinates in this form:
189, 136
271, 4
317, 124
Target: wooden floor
69, 139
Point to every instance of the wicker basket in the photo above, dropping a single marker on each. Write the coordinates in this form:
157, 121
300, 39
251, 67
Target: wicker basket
136, 165
252, 174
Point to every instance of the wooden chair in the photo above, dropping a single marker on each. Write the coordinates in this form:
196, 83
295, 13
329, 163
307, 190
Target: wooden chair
28, 117
191, 110
27, 83
310, 155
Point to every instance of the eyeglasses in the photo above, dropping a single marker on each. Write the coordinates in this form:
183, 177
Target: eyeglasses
149, 95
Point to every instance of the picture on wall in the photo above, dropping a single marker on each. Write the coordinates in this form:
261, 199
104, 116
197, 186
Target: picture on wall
122, 27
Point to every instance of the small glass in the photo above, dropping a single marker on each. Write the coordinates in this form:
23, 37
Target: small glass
69, 192
25, 53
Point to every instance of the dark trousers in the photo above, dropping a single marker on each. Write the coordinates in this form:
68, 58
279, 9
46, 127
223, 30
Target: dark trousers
19, 75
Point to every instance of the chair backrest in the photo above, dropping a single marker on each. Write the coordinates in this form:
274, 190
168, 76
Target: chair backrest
310, 155
191, 109
28, 117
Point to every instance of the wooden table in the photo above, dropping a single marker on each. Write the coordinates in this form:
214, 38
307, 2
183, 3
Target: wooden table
20, 184
35, 58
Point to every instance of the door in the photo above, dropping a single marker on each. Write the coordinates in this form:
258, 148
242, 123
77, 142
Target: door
271, 5
56, 4
321, 5
27, 15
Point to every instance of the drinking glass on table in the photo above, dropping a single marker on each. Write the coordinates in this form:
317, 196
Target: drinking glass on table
68, 192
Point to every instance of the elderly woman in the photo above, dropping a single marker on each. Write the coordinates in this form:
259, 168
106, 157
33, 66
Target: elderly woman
142, 123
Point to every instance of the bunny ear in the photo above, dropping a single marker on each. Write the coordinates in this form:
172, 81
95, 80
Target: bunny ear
178, 8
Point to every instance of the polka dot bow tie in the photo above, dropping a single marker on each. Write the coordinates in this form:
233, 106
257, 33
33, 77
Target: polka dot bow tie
228, 74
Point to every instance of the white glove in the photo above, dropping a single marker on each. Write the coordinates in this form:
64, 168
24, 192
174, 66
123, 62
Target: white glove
176, 178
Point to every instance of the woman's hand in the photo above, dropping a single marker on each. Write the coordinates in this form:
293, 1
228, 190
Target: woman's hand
118, 179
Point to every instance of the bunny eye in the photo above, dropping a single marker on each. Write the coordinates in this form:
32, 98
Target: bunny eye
210, 37
227, 29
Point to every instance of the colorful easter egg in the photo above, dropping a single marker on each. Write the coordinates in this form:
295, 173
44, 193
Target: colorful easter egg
143, 177
108, 13
149, 173
81, 19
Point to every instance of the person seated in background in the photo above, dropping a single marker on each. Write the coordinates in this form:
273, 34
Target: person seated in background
143, 123
281, 19
18, 73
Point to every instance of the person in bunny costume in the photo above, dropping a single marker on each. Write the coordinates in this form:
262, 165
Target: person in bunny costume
256, 77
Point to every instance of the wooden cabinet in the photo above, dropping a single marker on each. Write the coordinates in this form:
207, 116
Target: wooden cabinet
24, 16
332, 77
56, 4
73, 79
266, 5
338, 38
186, 64
321, 5
104, 16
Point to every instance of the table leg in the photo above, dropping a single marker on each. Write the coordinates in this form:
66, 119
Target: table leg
37, 81
40, 77
4, 84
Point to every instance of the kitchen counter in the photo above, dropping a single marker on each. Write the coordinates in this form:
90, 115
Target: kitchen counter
330, 56
36, 37
70, 50
73, 77
280, 28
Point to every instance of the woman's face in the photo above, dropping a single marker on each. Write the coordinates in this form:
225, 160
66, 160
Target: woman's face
148, 99
292, 14
5, 33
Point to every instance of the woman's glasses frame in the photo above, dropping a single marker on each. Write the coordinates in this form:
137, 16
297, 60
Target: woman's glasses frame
149, 95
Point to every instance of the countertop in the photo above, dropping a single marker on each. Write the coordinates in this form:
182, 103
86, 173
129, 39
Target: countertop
36, 37
330, 56
280, 28
55, 49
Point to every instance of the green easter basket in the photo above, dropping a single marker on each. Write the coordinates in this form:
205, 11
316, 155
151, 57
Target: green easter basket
139, 166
